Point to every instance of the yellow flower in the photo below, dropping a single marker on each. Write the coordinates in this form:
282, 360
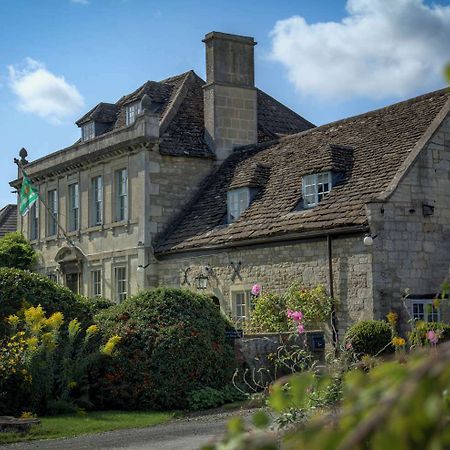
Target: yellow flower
13, 320
55, 320
72, 385
48, 340
27, 415
392, 318
74, 328
109, 347
398, 341
32, 342
93, 329
35, 318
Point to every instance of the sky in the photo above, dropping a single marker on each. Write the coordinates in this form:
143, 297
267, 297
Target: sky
325, 59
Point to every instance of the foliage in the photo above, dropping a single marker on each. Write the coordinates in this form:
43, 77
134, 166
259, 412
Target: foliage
418, 336
269, 314
69, 425
16, 252
44, 366
20, 288
369, 337
399, 405
447, 73
208, 397
173, 342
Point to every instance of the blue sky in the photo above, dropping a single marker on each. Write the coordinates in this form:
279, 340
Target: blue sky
326, 59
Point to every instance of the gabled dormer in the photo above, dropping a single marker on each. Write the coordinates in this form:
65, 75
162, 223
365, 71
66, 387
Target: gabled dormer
97, 121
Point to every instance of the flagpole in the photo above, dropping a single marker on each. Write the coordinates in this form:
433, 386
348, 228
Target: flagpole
53, 215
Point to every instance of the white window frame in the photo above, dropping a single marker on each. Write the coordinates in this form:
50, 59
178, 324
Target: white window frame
424, 315
241, 304
73, 193
96, 283
96, 201
88, 131
313, 190
120, 283
34, 221
52, 219
238, 200
121, 194
131, 112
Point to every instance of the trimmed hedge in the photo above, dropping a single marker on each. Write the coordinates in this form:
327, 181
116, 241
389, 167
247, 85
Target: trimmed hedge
20, 288
173, 343
16, 252
418, 336
370, 337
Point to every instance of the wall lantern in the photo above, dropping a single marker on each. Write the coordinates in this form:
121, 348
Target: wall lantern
368, 240
141, 268
201, 281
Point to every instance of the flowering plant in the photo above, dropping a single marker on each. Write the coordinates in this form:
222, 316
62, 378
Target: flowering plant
256, 290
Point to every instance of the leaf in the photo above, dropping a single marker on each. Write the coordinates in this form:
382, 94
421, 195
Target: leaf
236, 426
261, 419
301, 386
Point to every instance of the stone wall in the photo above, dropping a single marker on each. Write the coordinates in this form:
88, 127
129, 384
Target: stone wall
276, 267
411, 253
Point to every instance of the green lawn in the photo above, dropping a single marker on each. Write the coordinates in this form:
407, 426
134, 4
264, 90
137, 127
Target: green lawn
92, 422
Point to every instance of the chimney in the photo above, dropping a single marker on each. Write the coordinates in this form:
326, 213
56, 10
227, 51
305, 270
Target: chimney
230, 106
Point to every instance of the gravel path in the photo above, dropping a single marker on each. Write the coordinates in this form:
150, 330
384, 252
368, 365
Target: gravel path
180, 434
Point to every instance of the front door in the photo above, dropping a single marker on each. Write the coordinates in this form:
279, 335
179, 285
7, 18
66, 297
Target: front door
72, 282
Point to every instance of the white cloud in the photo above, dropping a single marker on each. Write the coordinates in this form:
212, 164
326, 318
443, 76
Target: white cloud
41, 92
382, 48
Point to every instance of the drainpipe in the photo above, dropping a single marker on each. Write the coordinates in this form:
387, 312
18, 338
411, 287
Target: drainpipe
334, 324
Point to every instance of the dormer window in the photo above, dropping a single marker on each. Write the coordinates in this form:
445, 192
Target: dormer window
131, 112
315, 188
88, 131
238, 201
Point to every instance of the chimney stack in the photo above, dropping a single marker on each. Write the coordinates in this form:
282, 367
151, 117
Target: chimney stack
230, 106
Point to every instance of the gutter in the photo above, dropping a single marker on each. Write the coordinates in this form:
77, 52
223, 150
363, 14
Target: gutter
284, 239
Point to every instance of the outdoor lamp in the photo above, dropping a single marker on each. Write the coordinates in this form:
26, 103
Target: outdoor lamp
201, 281
368, 240
141, 268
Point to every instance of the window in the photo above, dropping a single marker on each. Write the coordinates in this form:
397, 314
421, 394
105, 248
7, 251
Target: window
241, 305
131, 112
52, 215
97, 201
315, 187
74, 207
238, 201
96, 283
88, 131
120, 275
423, 309
121, 195
34, 221
52, 277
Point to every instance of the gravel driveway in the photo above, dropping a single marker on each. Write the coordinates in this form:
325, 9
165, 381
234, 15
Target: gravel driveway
183, 434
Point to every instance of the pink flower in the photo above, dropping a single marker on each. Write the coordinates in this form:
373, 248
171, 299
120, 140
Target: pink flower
297, 316
300, 328
348, 346
432, 337
256, 290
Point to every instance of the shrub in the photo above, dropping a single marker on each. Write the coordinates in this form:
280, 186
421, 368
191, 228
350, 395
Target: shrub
269, 314
208, 397
369, 337
19, 288
173, 342
16, 252
418, 336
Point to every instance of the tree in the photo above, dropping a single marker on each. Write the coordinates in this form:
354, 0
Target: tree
16, 252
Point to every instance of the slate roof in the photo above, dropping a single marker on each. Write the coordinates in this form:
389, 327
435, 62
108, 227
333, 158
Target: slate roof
179, 103
8, 219
367, 150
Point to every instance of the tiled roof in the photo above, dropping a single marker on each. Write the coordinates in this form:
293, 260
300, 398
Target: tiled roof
179, 103
8, 219
368, 150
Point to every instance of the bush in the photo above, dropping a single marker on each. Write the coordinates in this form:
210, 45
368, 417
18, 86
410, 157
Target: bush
173, 342
269, 314
19, 289
211, 398
15, 252
418, 336
369, 337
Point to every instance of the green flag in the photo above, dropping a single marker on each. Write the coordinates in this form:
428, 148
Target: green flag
28, 196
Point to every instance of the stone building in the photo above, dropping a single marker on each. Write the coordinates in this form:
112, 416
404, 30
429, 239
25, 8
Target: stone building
217, 186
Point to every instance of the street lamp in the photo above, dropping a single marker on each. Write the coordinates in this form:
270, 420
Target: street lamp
141, 268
